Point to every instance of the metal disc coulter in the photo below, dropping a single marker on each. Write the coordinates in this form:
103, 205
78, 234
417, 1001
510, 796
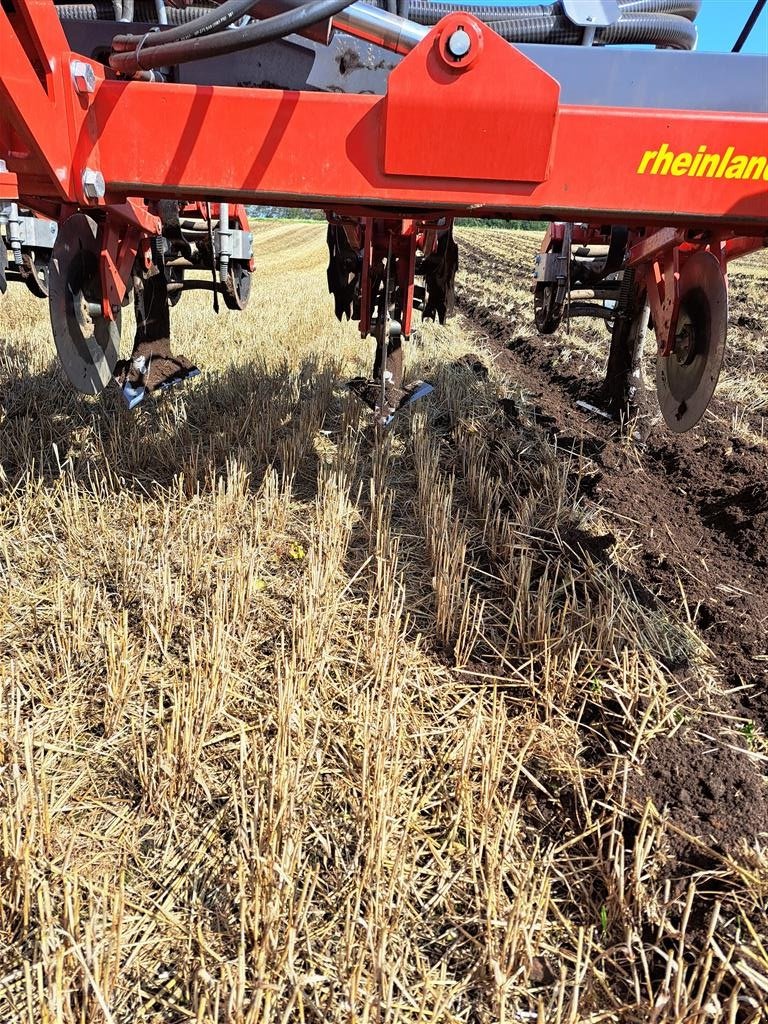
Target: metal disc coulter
686, 379
86, 341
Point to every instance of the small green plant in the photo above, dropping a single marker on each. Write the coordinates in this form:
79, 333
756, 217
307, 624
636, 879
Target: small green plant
749, 733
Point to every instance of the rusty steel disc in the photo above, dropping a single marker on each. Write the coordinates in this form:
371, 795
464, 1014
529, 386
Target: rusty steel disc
686, 379
87, 343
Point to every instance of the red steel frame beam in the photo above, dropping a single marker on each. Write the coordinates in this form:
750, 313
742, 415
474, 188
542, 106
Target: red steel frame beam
503, 152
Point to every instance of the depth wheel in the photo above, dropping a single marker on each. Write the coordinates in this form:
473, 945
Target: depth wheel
237, 290
547, 312
687, 378
35, 276
87, 343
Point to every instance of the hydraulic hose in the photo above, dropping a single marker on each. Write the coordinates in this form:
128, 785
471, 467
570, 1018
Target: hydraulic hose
749, 24
210, 21
220, 43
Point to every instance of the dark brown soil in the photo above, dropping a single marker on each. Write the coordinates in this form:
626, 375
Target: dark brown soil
697, 507
718, 796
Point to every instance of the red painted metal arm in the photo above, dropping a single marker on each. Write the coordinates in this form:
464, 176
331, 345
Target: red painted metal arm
36, 97
309, 149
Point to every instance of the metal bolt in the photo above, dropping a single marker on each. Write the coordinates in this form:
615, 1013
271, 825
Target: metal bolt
459, 44
83, 77
93, 184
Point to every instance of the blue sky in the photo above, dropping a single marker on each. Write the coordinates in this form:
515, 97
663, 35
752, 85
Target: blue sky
720, 23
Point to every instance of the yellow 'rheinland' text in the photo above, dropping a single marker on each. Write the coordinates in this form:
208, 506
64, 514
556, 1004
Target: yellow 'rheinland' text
703, 164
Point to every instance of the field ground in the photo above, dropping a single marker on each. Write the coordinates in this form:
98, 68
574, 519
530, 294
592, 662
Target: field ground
471, 726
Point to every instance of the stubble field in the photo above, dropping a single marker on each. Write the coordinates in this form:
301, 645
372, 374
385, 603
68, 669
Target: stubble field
467, 726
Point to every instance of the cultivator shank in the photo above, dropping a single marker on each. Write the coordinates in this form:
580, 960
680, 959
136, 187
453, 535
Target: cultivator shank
126, 156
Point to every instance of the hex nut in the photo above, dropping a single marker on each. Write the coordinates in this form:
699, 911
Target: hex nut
93, 184
83, 77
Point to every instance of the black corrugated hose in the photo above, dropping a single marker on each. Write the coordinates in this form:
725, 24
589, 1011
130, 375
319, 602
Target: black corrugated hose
144, 10
429, 12
665, 23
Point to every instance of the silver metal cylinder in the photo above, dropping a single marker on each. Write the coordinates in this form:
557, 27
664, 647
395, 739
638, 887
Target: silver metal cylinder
377, 26
594, 293
14, 233
224, 242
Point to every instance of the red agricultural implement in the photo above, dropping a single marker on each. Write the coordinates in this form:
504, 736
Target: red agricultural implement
131, 135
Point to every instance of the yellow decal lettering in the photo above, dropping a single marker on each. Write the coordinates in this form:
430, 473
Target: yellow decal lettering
703, 164
681, 163
648, 155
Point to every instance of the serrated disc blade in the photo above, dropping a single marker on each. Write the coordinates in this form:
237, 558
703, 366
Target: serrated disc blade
88, 345
686, 379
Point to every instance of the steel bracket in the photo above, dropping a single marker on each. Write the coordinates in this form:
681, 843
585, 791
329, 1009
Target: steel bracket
662, 280
592, 13
550, 267
492, 146
123, 230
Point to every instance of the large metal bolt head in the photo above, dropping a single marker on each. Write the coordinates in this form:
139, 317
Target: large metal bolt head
83, 77
93, 184
459, 44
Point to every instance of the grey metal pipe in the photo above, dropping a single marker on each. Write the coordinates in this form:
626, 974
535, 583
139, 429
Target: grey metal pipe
374, 25
595, 293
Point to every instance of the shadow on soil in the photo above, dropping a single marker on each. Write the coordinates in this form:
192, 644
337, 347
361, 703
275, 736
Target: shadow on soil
257, 416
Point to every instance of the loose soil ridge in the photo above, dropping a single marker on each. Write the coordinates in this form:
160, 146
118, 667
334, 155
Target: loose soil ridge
696, 508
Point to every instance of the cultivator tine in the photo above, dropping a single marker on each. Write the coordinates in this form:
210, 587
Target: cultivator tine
152, 366
133, 395
397, 399
140, 378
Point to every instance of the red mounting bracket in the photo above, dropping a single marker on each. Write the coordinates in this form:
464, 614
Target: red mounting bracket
123, 231
432, 90
657, 258
9, 186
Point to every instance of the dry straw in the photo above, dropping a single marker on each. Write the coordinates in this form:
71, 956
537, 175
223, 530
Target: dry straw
299, 727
